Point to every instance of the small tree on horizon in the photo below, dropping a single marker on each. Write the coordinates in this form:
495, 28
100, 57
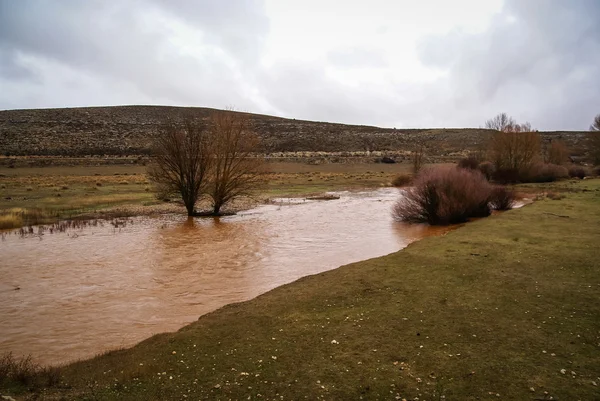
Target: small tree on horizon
596, 124
593, 140
500, 123
504, 123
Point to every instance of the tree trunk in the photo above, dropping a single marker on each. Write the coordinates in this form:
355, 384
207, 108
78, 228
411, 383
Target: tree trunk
217, 209
189, 207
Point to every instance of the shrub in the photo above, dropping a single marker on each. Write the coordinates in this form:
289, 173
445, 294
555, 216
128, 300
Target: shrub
17, 370
487, 169
445, 195
596, 171
402, 180
506, 175
418, 159
513, 153
577, 172
469, 163
24, 372
558, 153
544, 172
502, 198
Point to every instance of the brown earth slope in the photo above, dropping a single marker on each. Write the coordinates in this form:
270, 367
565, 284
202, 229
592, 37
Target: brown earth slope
128, 130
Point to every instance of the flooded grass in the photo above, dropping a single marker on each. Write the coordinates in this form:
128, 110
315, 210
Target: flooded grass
10, 220
63, 226
47, 195
503, 308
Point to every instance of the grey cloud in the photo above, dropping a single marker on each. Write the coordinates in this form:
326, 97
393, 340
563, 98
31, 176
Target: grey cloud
305, 91
112, 39
12, 68
539, 61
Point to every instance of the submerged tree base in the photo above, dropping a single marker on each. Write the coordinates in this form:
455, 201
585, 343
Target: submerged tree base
210, 213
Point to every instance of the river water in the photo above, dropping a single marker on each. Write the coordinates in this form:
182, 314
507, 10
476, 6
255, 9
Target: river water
74, 294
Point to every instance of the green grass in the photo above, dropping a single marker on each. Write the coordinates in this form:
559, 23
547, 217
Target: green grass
497, 309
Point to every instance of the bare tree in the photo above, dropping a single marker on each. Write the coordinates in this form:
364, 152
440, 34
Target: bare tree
514, 152
418, 159
596, 124
181, 161
502, 122
557, 153
524, 127
236, 168
593, 141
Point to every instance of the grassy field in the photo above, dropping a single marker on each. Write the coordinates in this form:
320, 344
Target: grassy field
39, 195
505, 308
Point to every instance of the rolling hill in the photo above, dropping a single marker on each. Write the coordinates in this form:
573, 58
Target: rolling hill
129, 130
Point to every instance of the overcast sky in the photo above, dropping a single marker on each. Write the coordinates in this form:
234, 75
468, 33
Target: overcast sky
393, 63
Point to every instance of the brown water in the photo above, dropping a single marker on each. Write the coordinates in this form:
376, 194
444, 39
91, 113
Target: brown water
85, 291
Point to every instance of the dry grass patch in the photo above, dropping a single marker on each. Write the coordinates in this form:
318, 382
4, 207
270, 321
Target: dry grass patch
10, 220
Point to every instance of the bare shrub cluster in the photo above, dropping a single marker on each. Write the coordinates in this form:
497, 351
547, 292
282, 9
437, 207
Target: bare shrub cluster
450, 195
502, 198
487, 169
469, 162
24, 372
418, 159
557, 153
544, 172
515, 154
578, 172
402, 180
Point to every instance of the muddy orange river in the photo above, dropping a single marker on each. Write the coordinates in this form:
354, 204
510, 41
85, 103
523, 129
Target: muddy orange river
74, 294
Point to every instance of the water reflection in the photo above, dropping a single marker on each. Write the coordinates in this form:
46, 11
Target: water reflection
105, 288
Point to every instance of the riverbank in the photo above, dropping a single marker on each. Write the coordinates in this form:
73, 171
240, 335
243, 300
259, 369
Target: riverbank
45, 195
504, 308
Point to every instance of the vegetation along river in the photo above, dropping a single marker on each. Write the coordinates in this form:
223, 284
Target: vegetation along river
74, 294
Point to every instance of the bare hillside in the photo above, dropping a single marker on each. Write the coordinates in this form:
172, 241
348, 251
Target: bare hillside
128, 130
